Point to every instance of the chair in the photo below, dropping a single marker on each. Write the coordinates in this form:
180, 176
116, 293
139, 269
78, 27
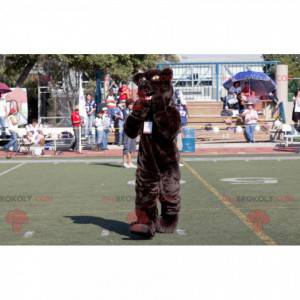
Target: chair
289, 134
24, 143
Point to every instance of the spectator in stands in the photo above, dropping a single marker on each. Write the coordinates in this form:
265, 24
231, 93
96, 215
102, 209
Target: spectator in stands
106, 122
90, 106
178, 97
12, 122
124, 92
34, 132
183, 111
242, 100
129, 144
76, 123
235, 89
278, 109
99, 125
246, 89
119, 123
250, 119
296, 109
231, 98
111, 103
2, 115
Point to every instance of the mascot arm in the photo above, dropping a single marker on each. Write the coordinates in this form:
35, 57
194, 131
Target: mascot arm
168, 122
136, 118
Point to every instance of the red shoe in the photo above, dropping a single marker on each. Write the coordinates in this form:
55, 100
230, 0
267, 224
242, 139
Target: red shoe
145, 230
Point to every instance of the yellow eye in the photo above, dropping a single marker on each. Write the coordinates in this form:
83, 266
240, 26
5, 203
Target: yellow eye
155, 77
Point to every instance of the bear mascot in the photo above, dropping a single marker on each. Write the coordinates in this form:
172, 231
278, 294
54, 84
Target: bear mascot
155, 118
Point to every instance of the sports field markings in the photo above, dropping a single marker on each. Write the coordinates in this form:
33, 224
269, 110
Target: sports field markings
12, 169
119, 160
105, 232
260, 234
180, 231
132, 182
28, 234
241, 158
250, 180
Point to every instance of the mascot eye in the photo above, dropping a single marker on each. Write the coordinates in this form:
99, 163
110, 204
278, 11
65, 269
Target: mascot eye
155, 77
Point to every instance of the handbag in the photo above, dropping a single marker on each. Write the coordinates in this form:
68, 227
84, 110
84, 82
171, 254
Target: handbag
226, 113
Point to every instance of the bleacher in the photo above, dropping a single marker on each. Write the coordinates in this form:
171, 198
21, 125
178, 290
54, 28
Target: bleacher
205, 115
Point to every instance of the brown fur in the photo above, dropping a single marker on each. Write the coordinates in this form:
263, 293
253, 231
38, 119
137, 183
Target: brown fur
158, 174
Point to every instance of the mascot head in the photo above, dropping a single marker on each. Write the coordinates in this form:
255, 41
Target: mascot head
155, 83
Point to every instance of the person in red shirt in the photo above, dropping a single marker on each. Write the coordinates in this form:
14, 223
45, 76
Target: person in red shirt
246, 89
123, 92
76, 123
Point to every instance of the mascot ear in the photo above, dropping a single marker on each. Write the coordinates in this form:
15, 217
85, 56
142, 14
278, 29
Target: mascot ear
167, 74
137, 77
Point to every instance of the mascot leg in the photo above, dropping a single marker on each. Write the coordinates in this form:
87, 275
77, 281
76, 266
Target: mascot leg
147, 194
170, 200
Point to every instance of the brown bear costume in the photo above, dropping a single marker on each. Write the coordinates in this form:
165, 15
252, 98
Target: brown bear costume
158, 174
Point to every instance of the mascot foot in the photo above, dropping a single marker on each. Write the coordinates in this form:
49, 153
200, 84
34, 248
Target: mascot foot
145, 230
167, 224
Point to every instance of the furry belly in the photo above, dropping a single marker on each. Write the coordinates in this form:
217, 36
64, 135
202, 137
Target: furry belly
157, 156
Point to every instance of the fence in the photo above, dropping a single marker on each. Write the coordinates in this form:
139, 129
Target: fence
55, 105
204, 81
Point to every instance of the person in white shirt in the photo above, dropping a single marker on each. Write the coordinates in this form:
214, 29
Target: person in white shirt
296, 110
35, 133
250, 118
2, 115
102, 124
12, 122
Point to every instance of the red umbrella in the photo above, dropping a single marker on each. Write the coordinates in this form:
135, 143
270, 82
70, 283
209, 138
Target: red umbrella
4, 88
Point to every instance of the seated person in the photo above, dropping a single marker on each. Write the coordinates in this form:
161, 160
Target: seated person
34, 133
273, 97
242, 102
246, 90
231, 98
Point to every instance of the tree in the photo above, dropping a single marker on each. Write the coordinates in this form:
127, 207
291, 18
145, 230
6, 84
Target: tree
15, 70
293, 62
119, 66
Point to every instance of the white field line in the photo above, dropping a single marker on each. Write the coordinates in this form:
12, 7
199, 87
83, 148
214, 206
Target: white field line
119, 160
12, 169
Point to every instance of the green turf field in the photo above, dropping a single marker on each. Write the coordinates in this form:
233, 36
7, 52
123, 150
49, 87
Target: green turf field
87, 203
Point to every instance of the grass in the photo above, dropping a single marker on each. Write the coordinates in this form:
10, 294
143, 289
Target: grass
89, 203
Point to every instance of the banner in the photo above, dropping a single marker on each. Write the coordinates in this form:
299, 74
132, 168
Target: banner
16, 99
81, 101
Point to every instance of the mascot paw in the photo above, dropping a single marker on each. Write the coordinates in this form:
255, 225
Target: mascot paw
167, 224
145, 230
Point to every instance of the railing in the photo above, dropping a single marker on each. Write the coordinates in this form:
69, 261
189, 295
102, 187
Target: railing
204, 81
62, 121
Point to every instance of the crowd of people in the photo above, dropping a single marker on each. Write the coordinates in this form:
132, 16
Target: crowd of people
110, 117
237, 97
101, 120
100, 123
241, 102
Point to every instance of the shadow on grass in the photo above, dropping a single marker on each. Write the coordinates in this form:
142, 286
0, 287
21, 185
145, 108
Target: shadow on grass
116, 165
118, 227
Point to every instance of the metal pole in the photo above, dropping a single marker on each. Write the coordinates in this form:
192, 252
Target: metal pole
79, 147
217, 81
39, 101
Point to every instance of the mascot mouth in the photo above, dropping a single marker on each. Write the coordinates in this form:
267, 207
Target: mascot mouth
145, 93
